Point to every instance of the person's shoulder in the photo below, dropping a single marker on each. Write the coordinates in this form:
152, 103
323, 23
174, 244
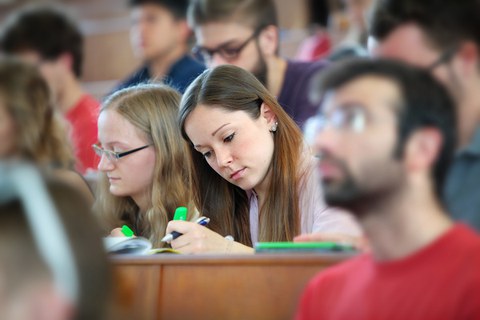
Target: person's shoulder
306, 67
193, 63
86, 107
187, 66
343, 271
138, 76
89, 100
183, 72
465, 234
462, 246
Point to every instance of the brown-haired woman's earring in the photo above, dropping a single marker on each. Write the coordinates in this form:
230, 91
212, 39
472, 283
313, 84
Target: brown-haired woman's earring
274, 127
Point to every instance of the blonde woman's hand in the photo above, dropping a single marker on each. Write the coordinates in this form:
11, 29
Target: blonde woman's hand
117, 232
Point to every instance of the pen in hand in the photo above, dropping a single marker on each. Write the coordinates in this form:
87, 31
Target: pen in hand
203, 221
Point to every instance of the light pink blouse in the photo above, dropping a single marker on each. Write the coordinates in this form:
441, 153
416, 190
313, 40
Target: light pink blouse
315, 216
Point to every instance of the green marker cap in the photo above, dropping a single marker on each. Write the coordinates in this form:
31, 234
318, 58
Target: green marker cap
180, 214
127, 231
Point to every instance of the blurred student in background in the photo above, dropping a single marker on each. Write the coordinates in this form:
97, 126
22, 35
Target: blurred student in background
144, 164
31, 128
49, 39
386, 144
159, 36
252, 174
319, 43
444, 37
246, 34
52, 263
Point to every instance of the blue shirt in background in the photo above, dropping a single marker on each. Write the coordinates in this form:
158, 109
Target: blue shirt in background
180, 75
462, 190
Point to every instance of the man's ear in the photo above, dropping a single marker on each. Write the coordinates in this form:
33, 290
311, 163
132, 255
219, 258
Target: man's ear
267, 113
423, 148
468, 52
268, 40
184, 31
66, 60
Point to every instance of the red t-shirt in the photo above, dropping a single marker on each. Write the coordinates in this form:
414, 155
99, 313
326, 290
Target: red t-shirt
441, 281
83, 122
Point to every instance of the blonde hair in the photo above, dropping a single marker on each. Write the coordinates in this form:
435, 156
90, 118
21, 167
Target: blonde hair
153, 109
41, 132
232, 88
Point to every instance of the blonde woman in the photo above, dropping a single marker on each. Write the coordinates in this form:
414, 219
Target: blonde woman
144, 166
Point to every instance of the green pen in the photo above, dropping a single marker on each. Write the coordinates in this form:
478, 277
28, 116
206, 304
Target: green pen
180, 214
127, 231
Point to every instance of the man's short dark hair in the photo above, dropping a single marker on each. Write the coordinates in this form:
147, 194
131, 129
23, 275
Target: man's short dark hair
46, 30
253, 13
425, 103
178, 8
445, 22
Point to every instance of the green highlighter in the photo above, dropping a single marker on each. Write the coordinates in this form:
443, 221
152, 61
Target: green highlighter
127, 231
180, 214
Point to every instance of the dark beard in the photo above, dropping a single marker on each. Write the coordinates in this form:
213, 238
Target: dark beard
349, 195
345, 194
340, 195
260, 69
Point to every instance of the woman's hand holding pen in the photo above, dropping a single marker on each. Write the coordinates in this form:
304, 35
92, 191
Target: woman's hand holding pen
196, 238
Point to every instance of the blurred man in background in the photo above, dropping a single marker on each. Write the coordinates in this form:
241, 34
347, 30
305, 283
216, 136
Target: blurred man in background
159, 36
246, 34
442, 36
386, 142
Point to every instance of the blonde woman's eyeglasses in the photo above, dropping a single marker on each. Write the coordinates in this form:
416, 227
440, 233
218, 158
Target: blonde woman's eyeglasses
114, 156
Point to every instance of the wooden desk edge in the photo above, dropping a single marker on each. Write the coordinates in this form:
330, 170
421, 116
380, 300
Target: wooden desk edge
256, 259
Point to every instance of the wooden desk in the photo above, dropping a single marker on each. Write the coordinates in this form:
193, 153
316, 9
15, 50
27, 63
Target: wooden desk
213, 287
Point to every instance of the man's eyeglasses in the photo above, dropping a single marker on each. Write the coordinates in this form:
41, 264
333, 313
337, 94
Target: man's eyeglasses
445, 57
225, 51
348, 119
114, 156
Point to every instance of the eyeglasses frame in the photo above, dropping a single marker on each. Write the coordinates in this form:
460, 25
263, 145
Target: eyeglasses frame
116, 155
444, 57
208, 54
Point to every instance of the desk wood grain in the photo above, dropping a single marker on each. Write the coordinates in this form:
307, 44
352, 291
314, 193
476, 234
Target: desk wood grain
213, 287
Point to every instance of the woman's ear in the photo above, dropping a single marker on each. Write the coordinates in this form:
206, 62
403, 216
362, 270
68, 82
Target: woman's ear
267, 113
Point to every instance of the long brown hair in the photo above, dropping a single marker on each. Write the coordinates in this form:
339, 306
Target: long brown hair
153, 109
41, 132
232, 88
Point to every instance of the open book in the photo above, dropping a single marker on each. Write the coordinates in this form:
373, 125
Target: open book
132, 245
